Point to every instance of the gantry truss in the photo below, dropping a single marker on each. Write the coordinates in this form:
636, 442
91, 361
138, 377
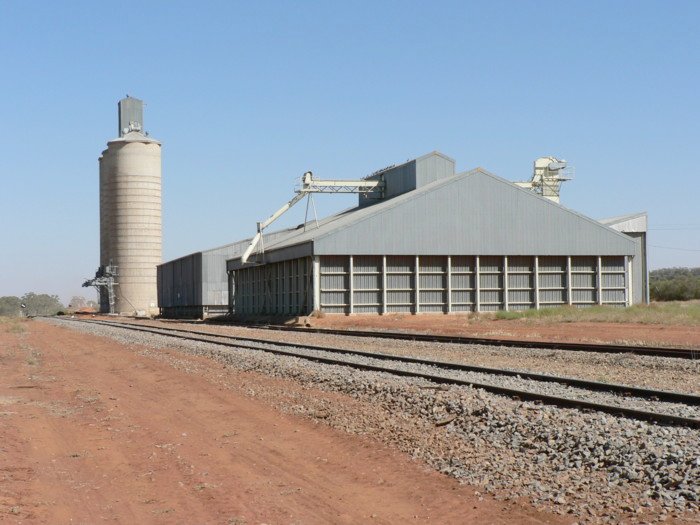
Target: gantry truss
308, 186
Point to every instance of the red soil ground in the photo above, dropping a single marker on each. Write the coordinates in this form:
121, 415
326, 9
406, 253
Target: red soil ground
92, 431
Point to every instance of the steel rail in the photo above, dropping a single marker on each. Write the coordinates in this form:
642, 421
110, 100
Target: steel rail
659, 351
657, 395
625, 390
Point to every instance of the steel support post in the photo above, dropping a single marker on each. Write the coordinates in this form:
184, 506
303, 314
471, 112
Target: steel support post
417, 277
317, 282
569, 299
477, 285
629, 299
385, 307
505, 283
231, 292
351, 286
599, 281
448, 299
536, 281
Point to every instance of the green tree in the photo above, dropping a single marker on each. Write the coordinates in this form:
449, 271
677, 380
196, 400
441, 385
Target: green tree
674, 284
77, 302
10, 306
41, 304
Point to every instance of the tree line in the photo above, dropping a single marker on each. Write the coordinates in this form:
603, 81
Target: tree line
674, 284
31, 304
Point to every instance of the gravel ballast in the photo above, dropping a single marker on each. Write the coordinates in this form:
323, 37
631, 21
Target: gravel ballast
661, 373
513, 382
596, 467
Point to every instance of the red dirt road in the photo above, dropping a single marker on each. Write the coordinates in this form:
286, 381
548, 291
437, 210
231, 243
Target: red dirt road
93, 431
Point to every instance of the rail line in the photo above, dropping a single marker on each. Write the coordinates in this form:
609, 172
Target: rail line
292, 350
659, 351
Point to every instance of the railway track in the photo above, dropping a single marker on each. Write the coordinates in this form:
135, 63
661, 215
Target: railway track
659, 351
442, 372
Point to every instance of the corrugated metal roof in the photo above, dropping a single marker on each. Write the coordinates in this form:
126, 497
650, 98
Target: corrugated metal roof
510, 221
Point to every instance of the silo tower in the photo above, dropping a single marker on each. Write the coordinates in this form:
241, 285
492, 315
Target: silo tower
130, 215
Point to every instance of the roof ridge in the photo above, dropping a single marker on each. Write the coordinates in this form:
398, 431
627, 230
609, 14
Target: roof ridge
389, 204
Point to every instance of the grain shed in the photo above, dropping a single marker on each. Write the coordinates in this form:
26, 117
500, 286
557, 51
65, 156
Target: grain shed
436, 241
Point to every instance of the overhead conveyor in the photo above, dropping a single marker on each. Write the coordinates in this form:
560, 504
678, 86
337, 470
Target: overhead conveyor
308, 186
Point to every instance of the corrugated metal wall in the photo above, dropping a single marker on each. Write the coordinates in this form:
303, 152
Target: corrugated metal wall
214, 281
283, 288
409, 176
640, 282
432, 167
179, 282
400, 283
460, 283
197, 285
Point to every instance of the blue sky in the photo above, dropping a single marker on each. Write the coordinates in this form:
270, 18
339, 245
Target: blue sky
246, 96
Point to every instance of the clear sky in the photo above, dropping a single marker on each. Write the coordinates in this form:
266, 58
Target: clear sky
246, 96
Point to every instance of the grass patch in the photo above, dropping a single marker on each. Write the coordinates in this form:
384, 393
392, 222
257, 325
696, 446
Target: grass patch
672, 312
34, 358
12, 325
15, 327
545, 313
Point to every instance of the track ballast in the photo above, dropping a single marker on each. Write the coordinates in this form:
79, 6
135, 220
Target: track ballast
442, 372
659, 351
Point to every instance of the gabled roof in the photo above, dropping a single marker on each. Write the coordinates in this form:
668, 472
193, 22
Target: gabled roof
432, 154
418, 159
234, 248
474, 212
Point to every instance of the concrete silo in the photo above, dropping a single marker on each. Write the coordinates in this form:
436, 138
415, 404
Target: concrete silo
130, 216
